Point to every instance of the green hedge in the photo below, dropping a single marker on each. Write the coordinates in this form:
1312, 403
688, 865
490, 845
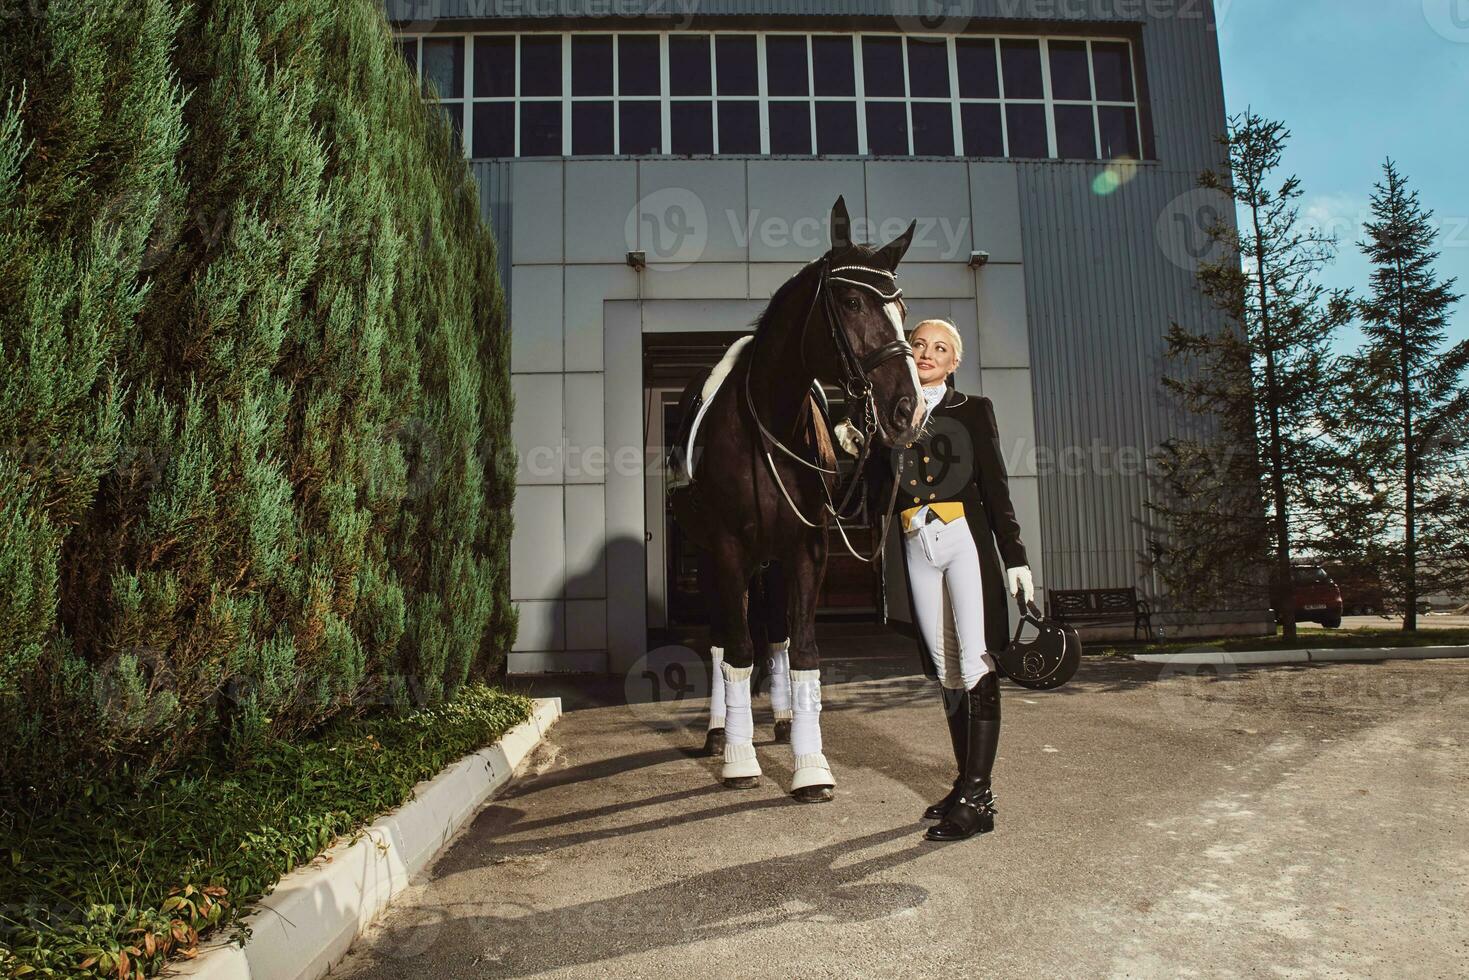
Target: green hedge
255, 469
120, 880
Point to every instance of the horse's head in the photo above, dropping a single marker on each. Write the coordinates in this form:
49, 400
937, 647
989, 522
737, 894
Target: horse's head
866, 309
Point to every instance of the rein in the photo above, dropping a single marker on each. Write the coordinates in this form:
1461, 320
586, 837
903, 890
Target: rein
858, 387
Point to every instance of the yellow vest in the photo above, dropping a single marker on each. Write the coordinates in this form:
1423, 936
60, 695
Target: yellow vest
947, 511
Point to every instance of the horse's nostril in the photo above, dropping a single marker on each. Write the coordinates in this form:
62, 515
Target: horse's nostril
903, 411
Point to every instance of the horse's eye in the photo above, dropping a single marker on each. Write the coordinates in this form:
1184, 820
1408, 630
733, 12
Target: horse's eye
853, 303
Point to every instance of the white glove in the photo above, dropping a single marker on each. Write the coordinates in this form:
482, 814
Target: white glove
848, 437
1018, 578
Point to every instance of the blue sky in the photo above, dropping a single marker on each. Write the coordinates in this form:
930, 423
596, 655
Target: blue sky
1357, 81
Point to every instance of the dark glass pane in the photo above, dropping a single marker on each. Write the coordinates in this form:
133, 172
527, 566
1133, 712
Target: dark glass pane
882, 66
933, 129
836, 127
785, 65
637, 64
540, 65
887, 129
688, 65
1027, 124
408, 50
739, 127
928, 68
494, 129
984, 134
494, 67
1070, 74
831, 61
443, 65
1112, 63
691, 126
978, 76
735, 63
1076, 138
540, 129
1022, 61
454, 112
642, 127
1119, 132
591, 65
790, 127
591, 128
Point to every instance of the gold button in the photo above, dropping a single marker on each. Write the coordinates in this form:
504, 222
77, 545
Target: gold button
910, 445
929, 479
925, 459
917, 501
932, 495
912, 483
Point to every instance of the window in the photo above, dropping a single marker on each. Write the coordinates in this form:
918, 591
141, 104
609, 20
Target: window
783, 93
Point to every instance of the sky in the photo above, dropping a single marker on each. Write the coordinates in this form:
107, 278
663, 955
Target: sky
1356, 82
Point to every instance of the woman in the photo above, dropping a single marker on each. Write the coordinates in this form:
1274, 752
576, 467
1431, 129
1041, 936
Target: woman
953, 501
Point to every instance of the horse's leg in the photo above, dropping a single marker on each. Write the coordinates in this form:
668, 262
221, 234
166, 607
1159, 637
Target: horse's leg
775, 594
741, 769
714, 735
806, 566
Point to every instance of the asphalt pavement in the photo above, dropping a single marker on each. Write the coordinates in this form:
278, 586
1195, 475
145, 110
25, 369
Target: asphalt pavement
1154, 821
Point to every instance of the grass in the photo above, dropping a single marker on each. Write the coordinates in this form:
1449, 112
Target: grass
118, 883
1308, 637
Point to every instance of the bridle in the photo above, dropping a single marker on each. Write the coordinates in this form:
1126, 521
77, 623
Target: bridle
855, 380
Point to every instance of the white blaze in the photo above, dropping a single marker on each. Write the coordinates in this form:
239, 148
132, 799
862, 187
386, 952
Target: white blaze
895, 317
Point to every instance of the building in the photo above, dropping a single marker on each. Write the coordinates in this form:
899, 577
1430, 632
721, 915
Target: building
1049, 150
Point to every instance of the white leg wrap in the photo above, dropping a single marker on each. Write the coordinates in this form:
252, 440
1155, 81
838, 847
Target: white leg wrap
739, 724
716, 687
780, 680
811, 765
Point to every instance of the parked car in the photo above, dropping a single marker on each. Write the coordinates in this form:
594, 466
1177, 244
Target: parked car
1361, 589
1317, 598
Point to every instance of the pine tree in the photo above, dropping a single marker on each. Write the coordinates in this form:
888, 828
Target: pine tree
1405, 416
1238, 491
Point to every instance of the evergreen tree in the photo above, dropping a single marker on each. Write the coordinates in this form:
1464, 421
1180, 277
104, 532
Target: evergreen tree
254, 422
1403, 416
1240, 488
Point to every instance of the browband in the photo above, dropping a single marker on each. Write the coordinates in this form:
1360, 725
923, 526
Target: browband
887, 290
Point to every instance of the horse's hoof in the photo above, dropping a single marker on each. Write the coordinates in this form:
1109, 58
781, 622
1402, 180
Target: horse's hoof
741, 782
714, 742
783, 731
812, 794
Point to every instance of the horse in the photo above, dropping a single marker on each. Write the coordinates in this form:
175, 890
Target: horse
762, 471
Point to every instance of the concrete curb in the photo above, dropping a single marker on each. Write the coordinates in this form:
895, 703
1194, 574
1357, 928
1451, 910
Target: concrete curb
307, 924
1345, 655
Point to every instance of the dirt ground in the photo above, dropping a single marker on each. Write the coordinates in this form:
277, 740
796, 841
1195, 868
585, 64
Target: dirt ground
1153, 822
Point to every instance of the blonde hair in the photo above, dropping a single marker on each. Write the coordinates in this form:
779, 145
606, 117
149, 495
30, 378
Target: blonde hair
953, 332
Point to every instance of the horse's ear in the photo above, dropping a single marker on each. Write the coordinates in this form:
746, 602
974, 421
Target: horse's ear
892, 253
841, 224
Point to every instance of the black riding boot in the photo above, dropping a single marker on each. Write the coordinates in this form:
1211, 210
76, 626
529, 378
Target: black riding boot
956, 713
974, 811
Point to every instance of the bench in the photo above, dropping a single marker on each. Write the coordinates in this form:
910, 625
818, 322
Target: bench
1098, 607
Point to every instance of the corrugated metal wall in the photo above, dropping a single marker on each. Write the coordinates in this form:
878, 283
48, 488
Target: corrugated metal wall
1105, 275
682, 10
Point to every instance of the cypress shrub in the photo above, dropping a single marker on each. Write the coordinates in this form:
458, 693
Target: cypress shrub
255, 469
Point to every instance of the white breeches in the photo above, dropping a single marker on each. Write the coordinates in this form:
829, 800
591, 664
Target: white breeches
942, 563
